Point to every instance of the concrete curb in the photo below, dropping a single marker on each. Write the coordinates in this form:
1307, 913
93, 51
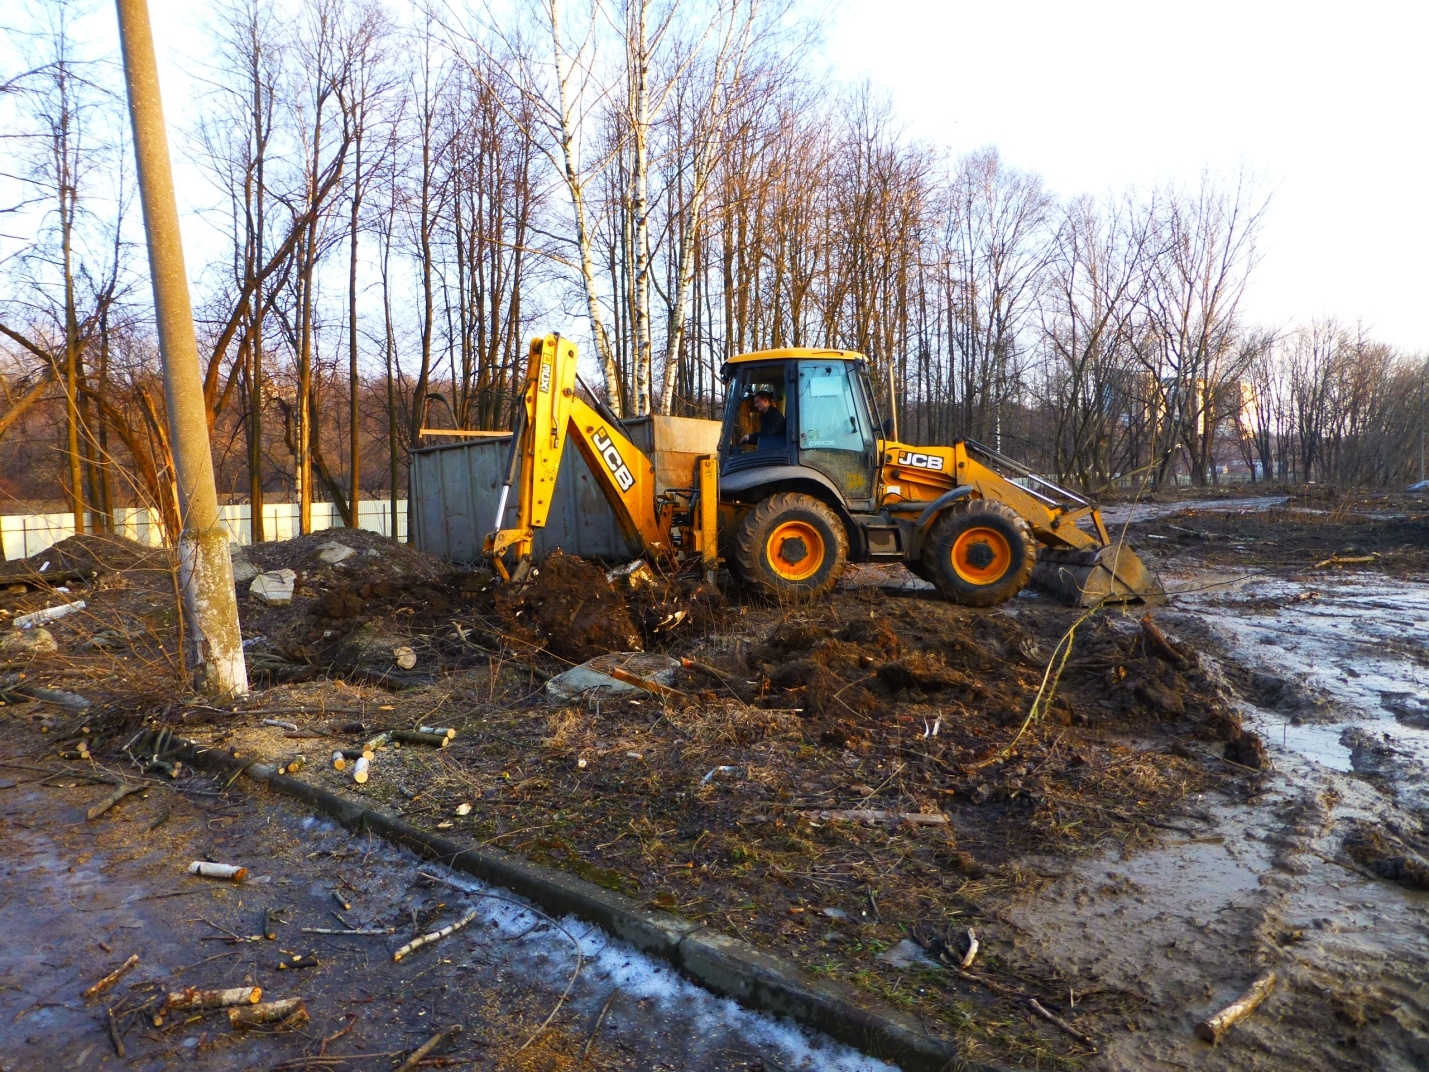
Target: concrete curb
724, 965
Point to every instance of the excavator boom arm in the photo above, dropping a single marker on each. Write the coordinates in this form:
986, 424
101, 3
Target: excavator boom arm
554, 412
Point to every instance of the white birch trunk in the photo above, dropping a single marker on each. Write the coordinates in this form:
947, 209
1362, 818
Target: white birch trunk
576, 186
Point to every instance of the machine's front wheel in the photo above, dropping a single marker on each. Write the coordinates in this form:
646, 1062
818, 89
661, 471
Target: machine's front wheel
791, 545
980, 553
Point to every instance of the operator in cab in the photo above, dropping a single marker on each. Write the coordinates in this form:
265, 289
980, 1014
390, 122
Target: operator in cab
771, 423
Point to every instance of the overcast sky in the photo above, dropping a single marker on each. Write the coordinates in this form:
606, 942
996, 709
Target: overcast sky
1326, 105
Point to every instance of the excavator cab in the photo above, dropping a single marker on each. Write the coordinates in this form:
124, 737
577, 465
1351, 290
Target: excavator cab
825, 425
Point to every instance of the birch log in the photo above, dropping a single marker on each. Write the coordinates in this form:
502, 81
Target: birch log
1212, 1029
434, 936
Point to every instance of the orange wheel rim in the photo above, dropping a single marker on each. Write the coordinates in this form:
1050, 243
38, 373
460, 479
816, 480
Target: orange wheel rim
981, 555
795, 550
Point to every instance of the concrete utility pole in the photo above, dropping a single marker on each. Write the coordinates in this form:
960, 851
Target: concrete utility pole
213, 642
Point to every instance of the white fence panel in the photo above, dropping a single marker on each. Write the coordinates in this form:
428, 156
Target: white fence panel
23, 535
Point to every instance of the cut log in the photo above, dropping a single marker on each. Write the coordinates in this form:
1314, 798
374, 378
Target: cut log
298, 962
434, 740
420, 1053
445, 731
1337, 560
434, 936
112, 799
204, 869
1211, 1030
113, 977
195, 998
359, 770
290, 1012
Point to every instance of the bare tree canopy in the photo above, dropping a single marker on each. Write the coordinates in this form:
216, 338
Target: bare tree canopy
401, 193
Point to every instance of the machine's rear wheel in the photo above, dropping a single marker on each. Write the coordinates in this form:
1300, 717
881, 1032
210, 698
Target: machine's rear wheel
791, 545
980, 553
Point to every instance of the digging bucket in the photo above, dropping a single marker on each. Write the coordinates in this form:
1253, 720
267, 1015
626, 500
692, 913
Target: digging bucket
1096, 575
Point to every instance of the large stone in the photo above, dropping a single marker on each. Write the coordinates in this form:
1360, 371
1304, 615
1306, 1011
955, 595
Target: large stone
907, 954
593, 677
243, 570
22, 642
333, 552
274, 588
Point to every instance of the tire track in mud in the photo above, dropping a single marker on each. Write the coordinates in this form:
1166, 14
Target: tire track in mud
1180, 930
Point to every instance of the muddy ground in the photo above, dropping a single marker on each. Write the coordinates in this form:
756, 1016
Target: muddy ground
80, 896
1194, 798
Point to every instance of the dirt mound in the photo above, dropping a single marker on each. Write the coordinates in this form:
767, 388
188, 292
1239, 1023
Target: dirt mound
100, 553
376, 559
569, 608
391, 590
863, 665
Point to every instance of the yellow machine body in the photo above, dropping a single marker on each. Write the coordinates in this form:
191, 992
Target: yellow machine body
670, 526
948, 512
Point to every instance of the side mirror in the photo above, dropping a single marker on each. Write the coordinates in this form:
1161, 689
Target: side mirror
887, 427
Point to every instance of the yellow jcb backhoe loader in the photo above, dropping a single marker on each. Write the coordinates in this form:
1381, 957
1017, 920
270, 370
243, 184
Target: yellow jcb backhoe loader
807, 479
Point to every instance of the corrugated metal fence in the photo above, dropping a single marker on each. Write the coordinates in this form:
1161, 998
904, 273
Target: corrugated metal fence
455, 490
24, 535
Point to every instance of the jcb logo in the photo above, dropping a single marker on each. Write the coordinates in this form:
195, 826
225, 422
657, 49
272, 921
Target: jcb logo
545, 386
613, 461
920, 461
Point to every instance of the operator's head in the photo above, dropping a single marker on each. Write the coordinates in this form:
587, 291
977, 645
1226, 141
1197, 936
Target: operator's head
763, 400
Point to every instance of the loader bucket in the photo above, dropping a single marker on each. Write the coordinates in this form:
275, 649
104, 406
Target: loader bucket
1096, 575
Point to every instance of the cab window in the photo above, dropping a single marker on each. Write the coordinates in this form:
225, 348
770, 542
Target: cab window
741, 416
834, 433
829, 416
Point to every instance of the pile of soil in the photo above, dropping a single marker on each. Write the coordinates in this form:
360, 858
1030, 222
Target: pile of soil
91, 555
383, 596
377, 560
568, 608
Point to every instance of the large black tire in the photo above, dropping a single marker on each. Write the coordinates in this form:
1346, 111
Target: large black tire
915, 566
980, 553
790, 546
